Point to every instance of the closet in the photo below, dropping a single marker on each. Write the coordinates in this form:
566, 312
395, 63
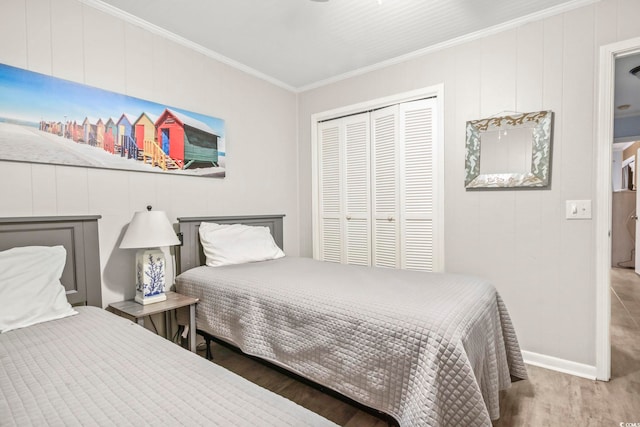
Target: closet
376, 192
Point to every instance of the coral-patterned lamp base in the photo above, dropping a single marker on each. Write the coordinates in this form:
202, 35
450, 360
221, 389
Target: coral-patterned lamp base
150, 270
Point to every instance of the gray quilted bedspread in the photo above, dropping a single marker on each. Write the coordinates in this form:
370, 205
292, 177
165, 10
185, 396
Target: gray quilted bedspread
96, 369
429, 349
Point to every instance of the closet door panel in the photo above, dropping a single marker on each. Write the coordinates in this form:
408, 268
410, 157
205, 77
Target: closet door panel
357, 240
386, 250
385, 187
356, 137
418, 250
331, 240
417, 120
357, 189
330, 194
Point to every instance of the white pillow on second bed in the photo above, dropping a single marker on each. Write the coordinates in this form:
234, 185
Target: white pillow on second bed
227, 244
30, 288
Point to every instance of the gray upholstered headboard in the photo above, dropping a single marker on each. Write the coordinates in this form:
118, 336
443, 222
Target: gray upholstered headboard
190, 254
78, 235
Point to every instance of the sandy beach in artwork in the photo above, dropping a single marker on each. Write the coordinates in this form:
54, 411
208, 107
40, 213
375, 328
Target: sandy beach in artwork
28, 144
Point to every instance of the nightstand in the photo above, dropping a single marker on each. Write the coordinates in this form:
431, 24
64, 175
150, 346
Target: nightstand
137, 312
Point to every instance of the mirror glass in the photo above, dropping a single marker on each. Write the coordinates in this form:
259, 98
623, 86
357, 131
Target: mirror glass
509, 151
504, 151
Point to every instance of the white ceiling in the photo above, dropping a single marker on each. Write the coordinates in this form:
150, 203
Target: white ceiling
300, 44
627, 86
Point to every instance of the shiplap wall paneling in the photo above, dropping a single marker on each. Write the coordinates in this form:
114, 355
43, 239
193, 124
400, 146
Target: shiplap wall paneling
67, 41
70, 39
13, 28
542, 264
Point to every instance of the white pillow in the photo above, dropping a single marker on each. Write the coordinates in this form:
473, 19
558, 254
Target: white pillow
226, 244
30, 288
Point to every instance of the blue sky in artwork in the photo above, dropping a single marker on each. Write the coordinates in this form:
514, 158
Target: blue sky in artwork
29, 96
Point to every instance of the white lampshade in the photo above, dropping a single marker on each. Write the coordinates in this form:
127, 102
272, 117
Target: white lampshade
149, 229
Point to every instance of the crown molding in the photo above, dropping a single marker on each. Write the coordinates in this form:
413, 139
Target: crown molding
555, 10
134, 20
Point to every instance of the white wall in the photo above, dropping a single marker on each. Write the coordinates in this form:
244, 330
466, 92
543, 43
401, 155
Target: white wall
542, 264
69, 40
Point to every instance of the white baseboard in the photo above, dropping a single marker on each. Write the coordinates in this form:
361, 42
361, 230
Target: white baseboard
560, 365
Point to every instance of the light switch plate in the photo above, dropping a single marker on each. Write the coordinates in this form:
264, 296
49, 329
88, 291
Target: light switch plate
578, 209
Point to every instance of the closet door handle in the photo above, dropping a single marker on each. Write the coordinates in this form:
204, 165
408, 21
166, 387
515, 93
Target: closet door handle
348, 217
390, 218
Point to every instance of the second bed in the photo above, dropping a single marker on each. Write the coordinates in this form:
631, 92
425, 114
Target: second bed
428, 349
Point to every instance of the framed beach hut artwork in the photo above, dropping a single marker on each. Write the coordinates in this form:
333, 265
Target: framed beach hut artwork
44, 119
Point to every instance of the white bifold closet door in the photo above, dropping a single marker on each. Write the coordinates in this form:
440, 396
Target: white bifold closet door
376, 188
345, 189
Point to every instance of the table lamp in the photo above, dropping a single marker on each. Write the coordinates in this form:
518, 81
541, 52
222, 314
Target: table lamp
147, 231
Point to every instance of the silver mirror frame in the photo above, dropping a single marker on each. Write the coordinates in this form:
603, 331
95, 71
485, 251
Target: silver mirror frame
541, 123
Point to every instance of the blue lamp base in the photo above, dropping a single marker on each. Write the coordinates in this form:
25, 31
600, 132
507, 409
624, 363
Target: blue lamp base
150, 272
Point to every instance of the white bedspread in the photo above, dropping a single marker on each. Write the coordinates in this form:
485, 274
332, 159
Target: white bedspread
429, 349
99, 369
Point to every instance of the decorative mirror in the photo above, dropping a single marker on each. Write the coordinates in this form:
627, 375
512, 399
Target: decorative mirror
509, 151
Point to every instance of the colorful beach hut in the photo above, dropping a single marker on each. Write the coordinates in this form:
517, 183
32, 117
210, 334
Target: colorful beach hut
89, 130
77, 131
145, 129
99, 133
186, 140
126, 143
110, 133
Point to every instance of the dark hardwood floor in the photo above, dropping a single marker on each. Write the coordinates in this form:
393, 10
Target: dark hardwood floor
337, 409
548, 398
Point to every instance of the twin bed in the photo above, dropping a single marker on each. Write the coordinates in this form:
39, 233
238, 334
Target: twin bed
94, 368
428, 349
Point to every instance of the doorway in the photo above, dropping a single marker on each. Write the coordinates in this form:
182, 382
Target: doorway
605, 114
165, 140
624, 177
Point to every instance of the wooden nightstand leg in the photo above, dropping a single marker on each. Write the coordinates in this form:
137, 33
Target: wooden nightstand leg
192, 328
207, 340
167, 325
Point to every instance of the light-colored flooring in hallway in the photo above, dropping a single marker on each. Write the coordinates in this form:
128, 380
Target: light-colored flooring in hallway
551, 398
548, 398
